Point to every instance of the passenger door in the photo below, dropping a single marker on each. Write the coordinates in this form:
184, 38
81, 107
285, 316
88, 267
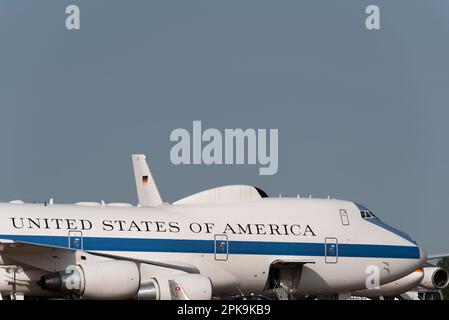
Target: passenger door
331, 250
75, 240
221, 247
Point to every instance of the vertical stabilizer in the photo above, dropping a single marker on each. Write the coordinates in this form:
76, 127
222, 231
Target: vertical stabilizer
147, 191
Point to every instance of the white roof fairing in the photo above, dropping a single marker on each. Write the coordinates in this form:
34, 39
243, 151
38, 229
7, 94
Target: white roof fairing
231, 193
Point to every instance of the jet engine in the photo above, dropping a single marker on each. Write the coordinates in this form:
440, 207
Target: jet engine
110, 280
114, 280
435, 278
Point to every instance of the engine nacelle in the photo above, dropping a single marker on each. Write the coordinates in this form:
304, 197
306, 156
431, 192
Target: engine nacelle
115, 280
176, 287
435, 278
102, 280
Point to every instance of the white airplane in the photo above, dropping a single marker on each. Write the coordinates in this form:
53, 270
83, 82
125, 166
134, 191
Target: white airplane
220, 242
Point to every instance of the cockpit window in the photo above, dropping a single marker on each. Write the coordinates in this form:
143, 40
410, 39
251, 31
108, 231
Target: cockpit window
367, 214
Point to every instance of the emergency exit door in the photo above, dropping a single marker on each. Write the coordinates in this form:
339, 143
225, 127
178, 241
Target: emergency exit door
221, 247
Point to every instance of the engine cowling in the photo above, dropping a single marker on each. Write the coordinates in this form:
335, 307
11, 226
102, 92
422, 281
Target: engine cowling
102, 280
114, 280
435, 278
176, 287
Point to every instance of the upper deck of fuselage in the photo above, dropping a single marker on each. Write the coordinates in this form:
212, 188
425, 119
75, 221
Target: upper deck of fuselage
285, 203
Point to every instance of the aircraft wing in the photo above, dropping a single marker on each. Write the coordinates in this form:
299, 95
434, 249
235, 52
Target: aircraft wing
54, 258
42, 257
437, 256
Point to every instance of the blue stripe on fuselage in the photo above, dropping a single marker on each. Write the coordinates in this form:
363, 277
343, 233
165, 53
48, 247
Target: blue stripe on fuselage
234, 247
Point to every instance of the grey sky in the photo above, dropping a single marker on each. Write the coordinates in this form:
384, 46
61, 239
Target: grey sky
362, 115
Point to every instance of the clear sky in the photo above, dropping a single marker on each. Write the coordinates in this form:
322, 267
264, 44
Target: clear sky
362, 115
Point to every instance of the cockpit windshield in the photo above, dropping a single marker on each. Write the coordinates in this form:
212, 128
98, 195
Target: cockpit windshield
367, 214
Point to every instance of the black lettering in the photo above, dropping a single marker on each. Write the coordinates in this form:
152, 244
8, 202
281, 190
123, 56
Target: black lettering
228, 227
46, 223
134, 225
86, 224
308, 229
260, 228
107, 225
160, 226
71, 224
274, 228
14, 223
147, 225
120, 223
209, 227
173, 227
246, 230
36, 223
293, 227
57, 221
198, 227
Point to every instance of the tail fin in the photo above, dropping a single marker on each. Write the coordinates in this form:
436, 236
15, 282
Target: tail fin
147, 191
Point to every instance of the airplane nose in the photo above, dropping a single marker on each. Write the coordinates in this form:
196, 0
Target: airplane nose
422, 256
